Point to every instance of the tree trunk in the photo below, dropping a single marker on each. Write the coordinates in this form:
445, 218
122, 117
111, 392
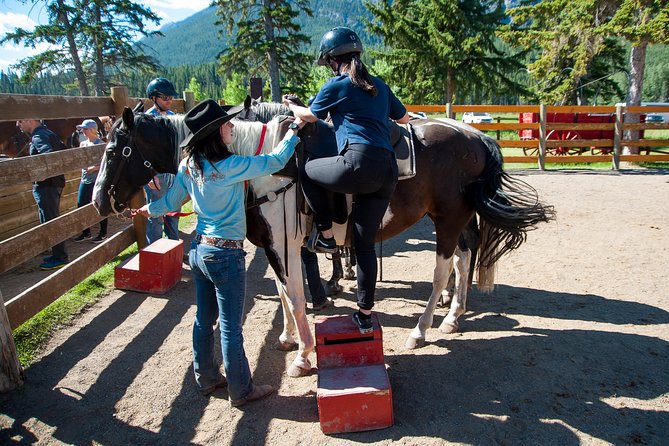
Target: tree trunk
450, 87
99, 43
11, 373
73, 50
272, 59
637, 67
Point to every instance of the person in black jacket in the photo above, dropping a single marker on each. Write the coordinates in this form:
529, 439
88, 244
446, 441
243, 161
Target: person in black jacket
47, 192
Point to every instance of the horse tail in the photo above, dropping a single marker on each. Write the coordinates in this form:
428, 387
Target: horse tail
508, 209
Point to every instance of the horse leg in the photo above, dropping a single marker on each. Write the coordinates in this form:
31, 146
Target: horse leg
332, 286
296, 306
349, 263
442, 271
447, 294
461, 260
468, 241
286, 338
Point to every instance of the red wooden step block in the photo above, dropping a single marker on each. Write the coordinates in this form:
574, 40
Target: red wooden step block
155, 269
340, 344
354, 399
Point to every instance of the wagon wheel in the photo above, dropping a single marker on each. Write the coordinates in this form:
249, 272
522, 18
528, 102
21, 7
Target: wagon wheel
609, 150
565, 135
530, 151
601, 150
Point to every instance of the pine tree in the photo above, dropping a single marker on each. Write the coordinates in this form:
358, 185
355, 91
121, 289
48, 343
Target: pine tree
92, 38
438, 48
264, 40
110, 31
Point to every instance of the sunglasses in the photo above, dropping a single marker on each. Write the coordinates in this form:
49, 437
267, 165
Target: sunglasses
165, 98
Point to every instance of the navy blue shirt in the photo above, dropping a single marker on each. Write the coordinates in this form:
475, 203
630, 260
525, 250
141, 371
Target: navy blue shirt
44, 140
357, 116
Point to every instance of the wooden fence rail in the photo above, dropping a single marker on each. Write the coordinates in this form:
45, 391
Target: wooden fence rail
18, 175
542, 145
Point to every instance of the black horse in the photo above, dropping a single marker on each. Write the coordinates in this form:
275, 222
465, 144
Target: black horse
459, 172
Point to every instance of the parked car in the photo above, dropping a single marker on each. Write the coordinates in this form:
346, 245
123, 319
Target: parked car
654, 117
476, 118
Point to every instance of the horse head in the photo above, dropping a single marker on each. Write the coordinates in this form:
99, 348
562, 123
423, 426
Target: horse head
139, 147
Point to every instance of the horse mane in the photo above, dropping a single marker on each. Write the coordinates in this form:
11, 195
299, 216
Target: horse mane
247, 137
265, 111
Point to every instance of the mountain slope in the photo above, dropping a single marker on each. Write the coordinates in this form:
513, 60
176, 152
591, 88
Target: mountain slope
196, 40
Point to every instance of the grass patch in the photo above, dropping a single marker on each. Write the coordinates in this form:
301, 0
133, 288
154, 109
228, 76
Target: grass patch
32, 336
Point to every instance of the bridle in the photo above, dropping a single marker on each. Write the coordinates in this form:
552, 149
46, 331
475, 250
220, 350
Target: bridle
126, 153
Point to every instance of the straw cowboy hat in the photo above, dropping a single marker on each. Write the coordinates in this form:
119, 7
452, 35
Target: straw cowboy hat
206, 117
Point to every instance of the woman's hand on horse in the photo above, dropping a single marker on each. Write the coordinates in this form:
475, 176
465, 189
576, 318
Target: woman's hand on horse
143, 211
288, 100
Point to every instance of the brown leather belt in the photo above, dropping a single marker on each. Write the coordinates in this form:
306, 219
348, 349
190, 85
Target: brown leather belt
219, 242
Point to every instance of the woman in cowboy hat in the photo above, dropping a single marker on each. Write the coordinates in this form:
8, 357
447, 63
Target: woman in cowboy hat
214, 178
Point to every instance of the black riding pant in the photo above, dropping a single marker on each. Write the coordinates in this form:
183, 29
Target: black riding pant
370, 174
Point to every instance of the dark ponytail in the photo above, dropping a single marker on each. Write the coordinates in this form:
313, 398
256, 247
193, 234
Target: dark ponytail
357, 72
211, 149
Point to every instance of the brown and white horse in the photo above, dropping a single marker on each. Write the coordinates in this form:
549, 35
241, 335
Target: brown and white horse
459, 172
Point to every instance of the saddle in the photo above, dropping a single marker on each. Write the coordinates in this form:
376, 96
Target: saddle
318, 141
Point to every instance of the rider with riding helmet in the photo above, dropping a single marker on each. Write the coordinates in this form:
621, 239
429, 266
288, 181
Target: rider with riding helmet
359, 105
161, 91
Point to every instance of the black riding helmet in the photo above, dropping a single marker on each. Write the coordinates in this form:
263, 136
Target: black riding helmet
160, 85
338, 41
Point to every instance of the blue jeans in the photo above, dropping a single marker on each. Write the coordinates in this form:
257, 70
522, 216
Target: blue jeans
220, 286
154, 227
48, 207
85, 196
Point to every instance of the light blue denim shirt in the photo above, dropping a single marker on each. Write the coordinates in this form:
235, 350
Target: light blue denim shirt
218, 193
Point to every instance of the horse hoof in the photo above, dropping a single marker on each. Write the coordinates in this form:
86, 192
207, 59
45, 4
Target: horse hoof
413, 343
332, 290
448, 328
286, 346
297, 372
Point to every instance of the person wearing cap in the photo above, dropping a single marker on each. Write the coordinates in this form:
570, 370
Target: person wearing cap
47, 192
359, 105
161, 91
89, 128
214, 179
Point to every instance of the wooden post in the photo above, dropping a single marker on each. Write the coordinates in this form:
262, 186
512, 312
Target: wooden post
617, 136
255, 85
120, 98
11, 372
542, 136
189, 100
449, 110
498, 132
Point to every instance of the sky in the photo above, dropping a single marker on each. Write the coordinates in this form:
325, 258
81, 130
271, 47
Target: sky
14, 14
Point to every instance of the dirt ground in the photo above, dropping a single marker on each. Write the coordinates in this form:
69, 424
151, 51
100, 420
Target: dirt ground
572, 347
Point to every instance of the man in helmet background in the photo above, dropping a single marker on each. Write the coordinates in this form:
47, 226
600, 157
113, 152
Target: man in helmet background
161, 91
359, 105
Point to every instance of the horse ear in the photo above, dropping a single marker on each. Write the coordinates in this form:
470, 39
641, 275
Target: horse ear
139, 108
128, 117
247, 102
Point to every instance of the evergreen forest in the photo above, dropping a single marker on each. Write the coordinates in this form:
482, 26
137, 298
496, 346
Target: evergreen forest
187, 54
